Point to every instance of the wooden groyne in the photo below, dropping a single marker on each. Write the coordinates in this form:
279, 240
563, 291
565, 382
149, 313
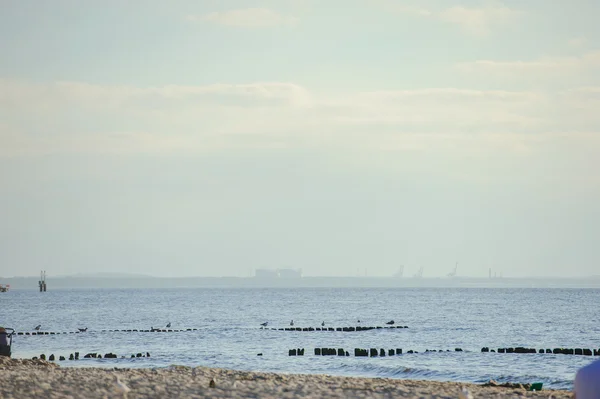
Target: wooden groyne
156, 330
91, 355
334, 329
381, 352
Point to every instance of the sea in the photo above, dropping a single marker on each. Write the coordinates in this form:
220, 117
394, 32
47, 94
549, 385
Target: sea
225, 329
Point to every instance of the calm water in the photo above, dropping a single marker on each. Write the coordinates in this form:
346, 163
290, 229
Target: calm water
228, 335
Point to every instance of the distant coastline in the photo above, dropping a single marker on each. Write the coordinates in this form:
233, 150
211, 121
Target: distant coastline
149, 282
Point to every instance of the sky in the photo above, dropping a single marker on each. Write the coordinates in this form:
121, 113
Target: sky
211, 138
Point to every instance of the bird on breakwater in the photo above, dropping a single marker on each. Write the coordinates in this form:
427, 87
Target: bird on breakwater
37, 328
121, 387
264, 324
323, 324
391, 322
169, 325
82, 329
292, 323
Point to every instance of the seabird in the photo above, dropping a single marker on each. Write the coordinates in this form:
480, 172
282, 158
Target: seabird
37, 328
292, 323
264, 324
169, 325
121, 387
390, 322
358, 322
82, 329
323, 324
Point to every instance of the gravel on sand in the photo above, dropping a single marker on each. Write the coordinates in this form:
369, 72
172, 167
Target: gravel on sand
23, 379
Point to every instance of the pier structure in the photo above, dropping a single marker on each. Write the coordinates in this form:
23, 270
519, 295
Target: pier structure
42, 282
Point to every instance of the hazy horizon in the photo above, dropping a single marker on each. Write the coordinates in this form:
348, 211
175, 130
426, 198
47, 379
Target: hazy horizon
214, 138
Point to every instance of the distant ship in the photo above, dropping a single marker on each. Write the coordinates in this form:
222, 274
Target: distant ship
400, 272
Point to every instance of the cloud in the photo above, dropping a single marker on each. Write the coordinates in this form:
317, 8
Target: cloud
577, 42
479, 21
246, 18
79, 117
589, 60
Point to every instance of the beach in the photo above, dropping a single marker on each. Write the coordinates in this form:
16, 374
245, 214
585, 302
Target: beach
22, 379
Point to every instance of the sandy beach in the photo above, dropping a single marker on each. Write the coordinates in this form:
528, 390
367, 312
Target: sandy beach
22, 379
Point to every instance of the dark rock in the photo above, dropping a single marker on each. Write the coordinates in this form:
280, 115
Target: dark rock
87, 356
410, 351
301, 352
318, 351
61, 358
398, 351
501, 350
138, 355
485, 349
548, 350
382, 352
556, 351
341, 352
71, 357
76, 355
373, 352
43, 357
587, 352
259, 354
458, 350
51, 357
292, 352
391, 352
510, 350
347, 353
541, 351
338, 329
579, 351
